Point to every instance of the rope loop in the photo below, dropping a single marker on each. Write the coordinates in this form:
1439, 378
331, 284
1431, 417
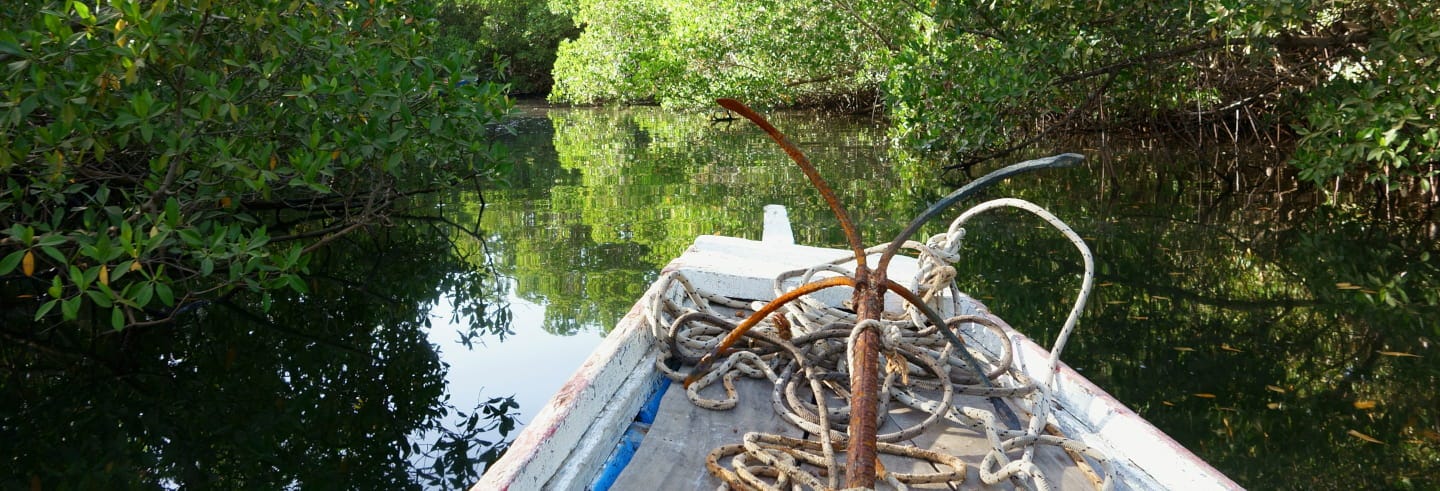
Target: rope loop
807, 343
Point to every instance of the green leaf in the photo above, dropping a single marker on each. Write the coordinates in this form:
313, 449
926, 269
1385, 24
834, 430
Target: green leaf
45, 308
143, 294
296, 283
99, 297
77, 277
117, 318
9, 46
22, 234
167, 297
55, 254
172, 212
11, 261
70, 308
83, 11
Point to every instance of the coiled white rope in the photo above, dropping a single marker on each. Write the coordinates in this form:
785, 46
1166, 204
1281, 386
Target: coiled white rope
810, 339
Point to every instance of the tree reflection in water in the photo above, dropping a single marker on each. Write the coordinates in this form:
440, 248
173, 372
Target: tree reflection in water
1290, 343
1269, 332
1261, 327
325, 390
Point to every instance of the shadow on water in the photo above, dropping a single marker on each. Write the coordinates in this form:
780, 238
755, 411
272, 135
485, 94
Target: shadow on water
1289, 342
327, 390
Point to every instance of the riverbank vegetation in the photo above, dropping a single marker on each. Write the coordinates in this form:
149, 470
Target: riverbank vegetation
513, 42
1346, 88
184, 188
156, 156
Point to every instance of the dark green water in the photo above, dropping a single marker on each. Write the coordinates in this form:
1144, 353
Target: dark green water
1272, 334
1288, 341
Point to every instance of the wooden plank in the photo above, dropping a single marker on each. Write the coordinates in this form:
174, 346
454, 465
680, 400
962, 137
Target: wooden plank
672, 456
599, 441
971, 446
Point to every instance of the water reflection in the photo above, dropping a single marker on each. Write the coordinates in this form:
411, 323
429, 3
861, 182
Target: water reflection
325, 390
1283, 340
1274, 335
1277, 336
603, 198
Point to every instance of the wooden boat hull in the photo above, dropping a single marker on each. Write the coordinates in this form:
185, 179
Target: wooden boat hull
569, 442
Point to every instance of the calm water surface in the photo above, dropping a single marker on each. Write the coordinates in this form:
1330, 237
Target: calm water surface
1288, 342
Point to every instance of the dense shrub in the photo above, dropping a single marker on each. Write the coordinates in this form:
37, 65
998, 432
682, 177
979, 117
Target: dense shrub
157, 154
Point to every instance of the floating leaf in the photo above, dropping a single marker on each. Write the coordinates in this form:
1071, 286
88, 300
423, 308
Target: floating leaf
1274, 405
1365, 404
1205, 395
1274, 389
1232, 349
1184, 349
1398, 353
1365, 437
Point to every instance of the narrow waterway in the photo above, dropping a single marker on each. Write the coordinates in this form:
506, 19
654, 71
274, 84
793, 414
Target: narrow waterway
1289, 342
1278, 337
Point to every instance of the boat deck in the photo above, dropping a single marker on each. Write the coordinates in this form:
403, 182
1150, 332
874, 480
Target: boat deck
588, 436
673, 452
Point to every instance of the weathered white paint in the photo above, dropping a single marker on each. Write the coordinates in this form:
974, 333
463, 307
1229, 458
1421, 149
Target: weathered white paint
564, 446
575, 432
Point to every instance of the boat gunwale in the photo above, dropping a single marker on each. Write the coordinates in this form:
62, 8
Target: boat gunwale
1082, 409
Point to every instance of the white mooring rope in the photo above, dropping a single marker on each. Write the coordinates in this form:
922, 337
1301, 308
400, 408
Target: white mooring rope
809, 342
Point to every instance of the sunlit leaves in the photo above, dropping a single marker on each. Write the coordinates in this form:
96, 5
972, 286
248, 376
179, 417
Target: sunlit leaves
686, 53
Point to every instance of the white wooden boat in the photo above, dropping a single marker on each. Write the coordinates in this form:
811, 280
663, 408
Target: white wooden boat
614, 425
